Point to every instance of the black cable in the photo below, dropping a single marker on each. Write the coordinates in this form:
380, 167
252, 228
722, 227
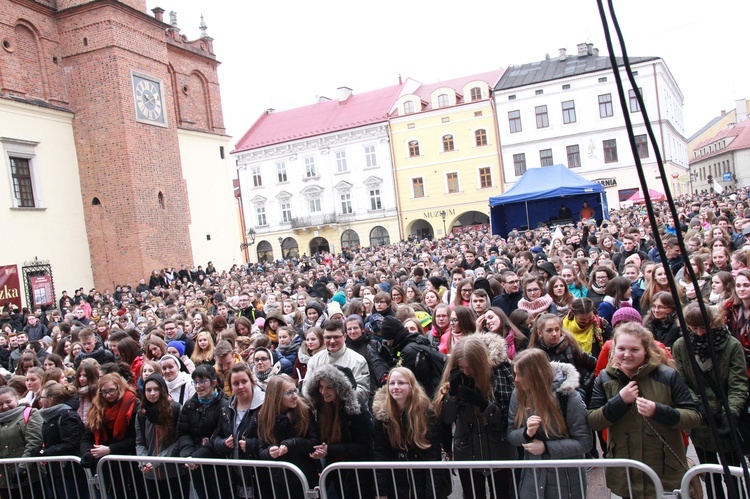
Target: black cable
660, 247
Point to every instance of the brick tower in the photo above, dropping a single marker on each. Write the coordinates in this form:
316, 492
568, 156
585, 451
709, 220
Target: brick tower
132, 82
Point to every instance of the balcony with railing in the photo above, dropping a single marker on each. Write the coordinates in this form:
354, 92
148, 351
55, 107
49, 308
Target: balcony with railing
317, 220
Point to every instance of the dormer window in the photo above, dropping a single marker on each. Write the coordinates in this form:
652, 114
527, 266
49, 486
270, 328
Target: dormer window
443, 100
476, 94
408, 107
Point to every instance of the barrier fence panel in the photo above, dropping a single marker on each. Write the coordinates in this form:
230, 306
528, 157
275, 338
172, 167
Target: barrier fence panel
59, 477
714, 482
166, 477
542, 479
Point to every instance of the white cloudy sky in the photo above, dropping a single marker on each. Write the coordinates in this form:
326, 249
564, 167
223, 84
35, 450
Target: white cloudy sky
282, 54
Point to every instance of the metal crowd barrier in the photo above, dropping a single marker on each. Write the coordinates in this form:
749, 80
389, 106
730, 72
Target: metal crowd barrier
337, 479
167, 477
714, 482
59, 477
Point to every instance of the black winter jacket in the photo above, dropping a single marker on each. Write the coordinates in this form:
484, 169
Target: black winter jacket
198, 422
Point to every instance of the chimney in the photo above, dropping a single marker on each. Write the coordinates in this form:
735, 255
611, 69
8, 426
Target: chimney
158, 13
344, 93
270, 110
741, 109
563, 54
583, 49
590, 48
595, 52
323, 98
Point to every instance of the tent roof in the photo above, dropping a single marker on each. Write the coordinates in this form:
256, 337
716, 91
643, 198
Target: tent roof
547, 182
653, 194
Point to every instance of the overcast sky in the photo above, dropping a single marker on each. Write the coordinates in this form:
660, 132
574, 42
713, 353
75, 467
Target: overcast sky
285, 54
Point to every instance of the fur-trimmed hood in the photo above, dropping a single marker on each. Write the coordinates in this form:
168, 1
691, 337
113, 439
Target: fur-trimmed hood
339, 381
496, 347
566, 378
379, 404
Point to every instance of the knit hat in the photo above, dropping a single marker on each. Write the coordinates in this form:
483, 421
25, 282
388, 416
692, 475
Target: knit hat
374, 322
626, 313
436, 281
340, 298
179, 345
390, 328
425, 319
334, 308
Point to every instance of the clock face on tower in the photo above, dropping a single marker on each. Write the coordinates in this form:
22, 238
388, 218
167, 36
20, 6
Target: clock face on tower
149, 100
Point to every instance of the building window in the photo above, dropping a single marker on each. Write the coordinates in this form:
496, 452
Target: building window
379, 237
260, 213
281, 172
480, 137
371, 157
448, 143
375, 203
574, 156
514, 119
566, 86
417, 187
542, 118
451, 180
512, 97
341, 165
310, 171
633, 98
346, 204
545, 157
610, 150
476, 94
315, 205
286, 212
413, 148
603, 79
408, 107
485, 177
569, 111
519, 164
255, 173
605, 106
641, 143
539, 92
23, 187
443, 100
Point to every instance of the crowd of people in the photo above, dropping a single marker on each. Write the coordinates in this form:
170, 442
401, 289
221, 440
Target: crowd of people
547, 344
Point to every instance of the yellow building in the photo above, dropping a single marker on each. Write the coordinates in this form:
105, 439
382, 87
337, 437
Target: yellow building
446, 155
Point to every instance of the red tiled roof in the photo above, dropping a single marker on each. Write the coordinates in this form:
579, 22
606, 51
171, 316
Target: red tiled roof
741, 140
457, 84
316, 119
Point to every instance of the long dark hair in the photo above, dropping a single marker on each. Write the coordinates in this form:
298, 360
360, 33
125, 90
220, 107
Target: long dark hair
163, 410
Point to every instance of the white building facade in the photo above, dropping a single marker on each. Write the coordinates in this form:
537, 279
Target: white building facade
321, 193
566, 110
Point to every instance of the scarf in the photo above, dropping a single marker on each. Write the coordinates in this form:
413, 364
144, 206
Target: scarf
584, 336
701, 348
117, 420
596, 289
285, 350
714, 298
262, 376
209, 400
510, 342
8, 416
537, 306
152, 414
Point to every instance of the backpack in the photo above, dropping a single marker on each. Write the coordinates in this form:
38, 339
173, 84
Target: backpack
428, 366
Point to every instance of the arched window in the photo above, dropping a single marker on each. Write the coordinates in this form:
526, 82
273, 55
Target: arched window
161, 200
96, 202
349, 239
443, 100
289, 248
408, 107
413, 148
379, 236
448, 143
265, 252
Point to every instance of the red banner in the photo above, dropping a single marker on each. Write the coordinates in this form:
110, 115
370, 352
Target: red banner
41, 288
10, 286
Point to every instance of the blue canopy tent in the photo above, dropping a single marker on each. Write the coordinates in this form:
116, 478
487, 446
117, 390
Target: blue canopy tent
537, 196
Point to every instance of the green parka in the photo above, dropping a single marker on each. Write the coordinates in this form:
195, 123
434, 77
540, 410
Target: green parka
733, 375
630, 436
19, 438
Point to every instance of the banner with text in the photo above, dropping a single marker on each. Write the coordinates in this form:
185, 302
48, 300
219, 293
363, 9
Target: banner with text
10, 286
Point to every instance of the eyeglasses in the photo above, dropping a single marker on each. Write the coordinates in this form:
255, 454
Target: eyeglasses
514, 281
333, 338
453, 319
199, 382
467, 290
107, 393
291, 392
533, 290
262, 359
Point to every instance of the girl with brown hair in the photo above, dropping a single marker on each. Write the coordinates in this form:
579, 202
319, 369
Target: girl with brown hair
548, 419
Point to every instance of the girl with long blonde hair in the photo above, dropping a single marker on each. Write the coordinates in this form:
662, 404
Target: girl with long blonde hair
406, 429
203, 353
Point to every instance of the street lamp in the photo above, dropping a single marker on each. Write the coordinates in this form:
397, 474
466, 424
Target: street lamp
442, 215
281, 248
251, 235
